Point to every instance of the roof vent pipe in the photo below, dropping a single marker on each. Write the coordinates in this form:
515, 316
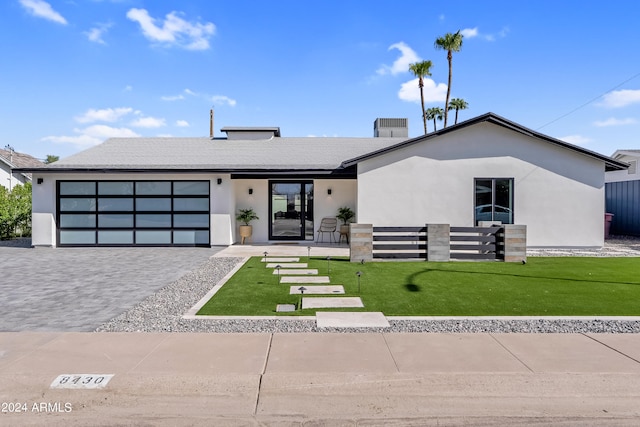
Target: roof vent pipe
211, 123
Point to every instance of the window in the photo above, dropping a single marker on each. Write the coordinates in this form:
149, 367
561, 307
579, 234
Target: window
494, 200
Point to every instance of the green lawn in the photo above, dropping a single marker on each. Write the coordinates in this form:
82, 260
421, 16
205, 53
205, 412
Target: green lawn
569, 286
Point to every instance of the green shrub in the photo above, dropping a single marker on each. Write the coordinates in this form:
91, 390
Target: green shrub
15, 211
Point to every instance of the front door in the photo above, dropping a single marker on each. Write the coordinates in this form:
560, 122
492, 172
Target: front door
291, 208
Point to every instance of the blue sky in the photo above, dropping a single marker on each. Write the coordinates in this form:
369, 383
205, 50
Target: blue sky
76, 72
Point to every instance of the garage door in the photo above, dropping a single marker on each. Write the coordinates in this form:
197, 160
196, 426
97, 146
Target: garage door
133, 213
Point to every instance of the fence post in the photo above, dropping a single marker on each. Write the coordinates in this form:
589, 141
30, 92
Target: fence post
515, 243
360, 242
438, 242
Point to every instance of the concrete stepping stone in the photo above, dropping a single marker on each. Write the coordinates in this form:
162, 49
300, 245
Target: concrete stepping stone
331, 302
283, 308
285, 259
297, 271
305, 279
317, 290
329, 319
287, 264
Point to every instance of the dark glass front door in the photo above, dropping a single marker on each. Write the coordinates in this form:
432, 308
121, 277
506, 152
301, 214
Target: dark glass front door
291, 208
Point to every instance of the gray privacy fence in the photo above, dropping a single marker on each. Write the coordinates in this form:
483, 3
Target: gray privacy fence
623, 201
438, 242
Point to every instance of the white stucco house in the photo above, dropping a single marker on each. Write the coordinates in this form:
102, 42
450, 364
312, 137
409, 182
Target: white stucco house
186, 191
10, 160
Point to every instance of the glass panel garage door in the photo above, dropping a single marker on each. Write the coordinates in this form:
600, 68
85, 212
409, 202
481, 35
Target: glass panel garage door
131, 213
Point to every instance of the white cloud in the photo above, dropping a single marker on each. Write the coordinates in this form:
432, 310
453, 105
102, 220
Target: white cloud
92, 135
172, 97
400, 65
95, 34
104, 115
216, 99
433, 92
148, 122
615, 122
42, 9
128, 88
575, 139
621, 98
222, 100
469, 32
182, 123
173, 31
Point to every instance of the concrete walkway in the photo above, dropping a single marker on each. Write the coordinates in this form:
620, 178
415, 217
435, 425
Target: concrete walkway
323, 379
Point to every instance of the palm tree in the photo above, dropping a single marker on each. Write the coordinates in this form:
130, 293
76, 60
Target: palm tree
420, 70
458, 104
434, 113
451, 43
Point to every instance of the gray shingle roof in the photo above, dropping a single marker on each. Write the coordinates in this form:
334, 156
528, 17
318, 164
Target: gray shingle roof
20, 160
221, 154
274, 154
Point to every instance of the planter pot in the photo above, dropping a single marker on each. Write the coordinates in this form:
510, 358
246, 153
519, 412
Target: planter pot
245, 231
344, 232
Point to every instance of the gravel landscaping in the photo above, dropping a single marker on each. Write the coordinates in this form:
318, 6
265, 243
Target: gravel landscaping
163, 311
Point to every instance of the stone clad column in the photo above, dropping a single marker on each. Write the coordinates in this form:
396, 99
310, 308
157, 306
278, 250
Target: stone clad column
515, 243
360, 242
438, 242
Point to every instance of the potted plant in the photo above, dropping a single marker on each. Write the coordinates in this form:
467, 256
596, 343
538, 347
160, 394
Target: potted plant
245, 216
345, 214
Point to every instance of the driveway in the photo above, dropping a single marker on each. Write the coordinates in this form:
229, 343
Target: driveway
78, 289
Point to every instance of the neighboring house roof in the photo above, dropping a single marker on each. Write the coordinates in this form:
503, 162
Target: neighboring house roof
610, 164
19, 161
272, 156
628, 152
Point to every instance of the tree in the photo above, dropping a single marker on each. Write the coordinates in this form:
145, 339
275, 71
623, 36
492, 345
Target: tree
451, 43
434, 113
458, 104
51, 158
421, 70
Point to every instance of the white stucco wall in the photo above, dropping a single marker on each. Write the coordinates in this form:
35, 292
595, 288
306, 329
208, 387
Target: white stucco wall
558, 193
343, 193
43, 208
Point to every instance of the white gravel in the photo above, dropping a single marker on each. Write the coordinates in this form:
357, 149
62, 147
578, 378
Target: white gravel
163, 311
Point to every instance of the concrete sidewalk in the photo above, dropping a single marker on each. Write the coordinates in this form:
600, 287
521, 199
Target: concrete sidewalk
322, 379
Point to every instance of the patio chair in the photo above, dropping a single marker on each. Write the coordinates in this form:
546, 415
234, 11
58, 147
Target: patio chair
327, 225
